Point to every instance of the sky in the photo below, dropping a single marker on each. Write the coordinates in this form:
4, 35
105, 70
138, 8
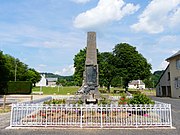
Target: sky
47, 34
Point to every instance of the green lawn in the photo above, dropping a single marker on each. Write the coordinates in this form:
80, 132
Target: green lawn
57, 91
74, 89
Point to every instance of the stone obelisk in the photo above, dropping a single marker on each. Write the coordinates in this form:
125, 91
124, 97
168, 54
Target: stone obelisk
91, 52
90, 81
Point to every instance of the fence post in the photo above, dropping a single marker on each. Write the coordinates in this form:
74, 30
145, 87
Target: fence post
101, 118
81, 121
4, 103
11, 118
136, 109
170, 115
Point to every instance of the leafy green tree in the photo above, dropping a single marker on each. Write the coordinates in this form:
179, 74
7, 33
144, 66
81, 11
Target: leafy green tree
79, 64
107, 69
131, 64
33, 76
117, 82
17, 69
151, 81
10, 63
62, 82
3, 73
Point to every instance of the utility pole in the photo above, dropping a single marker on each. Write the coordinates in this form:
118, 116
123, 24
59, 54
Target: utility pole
15, 71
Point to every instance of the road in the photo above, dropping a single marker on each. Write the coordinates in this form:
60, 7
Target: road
4, 118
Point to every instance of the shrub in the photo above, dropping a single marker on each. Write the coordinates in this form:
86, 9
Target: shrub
104, 101
55, 101
19, 87
79, 102
140, 99
102, 91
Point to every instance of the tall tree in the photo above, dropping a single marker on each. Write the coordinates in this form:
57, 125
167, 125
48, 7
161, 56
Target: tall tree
3, 73
79, 64
131, 64
107, 69
33, 76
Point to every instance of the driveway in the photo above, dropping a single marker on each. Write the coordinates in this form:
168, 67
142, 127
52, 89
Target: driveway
4, 118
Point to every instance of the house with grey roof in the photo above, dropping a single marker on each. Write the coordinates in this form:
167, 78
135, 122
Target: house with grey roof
51, 81
169, 82
136, 84
47, 81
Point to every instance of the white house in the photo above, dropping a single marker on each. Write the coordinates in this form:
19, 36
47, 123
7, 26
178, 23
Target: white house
43, 81
51, 81
136, 84
169, 82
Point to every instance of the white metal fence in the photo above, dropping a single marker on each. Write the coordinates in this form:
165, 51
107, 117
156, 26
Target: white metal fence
25, 115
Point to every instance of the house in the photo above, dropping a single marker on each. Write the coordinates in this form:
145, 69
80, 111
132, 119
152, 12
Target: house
136, 84
51, 81
47, 81
169, 82
43, 81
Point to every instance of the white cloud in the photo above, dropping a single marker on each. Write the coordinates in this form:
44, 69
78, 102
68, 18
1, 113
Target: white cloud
69, 70
106, 11
158, 15
81, 1
167, 39
175, 19
163, 65
42, 65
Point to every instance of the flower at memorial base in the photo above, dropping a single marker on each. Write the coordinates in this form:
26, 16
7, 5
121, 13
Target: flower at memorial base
123, 100
146, 115
33, 116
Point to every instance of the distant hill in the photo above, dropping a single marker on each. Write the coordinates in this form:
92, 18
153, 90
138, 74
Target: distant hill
51, 75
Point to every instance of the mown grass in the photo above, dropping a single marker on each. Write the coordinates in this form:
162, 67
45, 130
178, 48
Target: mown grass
72, 90
7, 109
57, 91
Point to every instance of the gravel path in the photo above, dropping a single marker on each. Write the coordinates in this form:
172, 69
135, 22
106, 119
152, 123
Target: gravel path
4, 122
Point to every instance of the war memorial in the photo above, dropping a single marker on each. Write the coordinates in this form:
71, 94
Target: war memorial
85, 109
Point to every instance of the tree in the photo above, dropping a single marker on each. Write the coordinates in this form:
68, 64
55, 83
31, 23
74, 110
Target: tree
107, 69
3, 73
131, 65
33, 76
151, 81
17, 69
79, 64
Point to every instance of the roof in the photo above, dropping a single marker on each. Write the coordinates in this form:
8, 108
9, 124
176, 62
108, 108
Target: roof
136, 82
162, 75
175, 55
51, 79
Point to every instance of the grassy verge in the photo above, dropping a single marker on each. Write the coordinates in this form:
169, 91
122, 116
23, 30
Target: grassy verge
57, 91
7, 109
74, 89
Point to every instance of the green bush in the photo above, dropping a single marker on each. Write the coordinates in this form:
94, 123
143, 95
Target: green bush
19, 87
55, 101
140, 99
104, 101
102, 91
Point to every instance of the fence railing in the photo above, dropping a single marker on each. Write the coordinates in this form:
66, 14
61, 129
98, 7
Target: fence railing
25, 115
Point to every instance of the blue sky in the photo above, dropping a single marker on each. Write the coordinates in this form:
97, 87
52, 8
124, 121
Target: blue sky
46, 34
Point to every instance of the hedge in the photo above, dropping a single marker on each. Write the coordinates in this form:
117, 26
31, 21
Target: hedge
19, 87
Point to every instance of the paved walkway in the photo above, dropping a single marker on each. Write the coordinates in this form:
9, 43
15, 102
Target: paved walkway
4, 118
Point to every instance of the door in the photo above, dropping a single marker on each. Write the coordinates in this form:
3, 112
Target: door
169, 91
163, 91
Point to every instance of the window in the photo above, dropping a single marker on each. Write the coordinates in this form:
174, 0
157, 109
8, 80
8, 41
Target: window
168, 76
178, 64
177, 82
